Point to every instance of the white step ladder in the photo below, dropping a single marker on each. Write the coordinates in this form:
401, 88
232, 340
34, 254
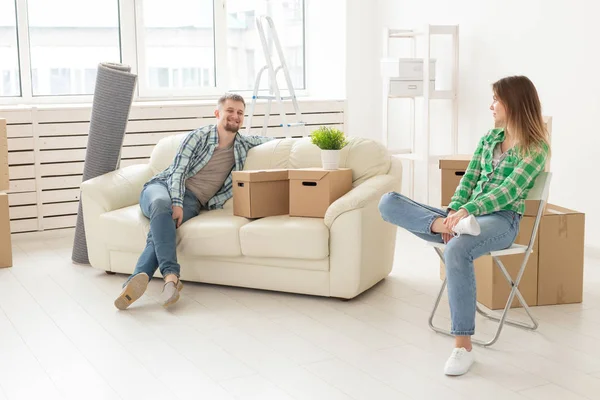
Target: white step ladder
274, 91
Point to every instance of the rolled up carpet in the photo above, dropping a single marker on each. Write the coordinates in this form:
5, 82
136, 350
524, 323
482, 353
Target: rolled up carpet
113, 95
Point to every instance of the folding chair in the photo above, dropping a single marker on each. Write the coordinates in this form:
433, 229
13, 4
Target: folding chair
538, 192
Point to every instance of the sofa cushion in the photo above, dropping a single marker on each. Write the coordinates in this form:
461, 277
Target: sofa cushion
125, 229
285, 237
212, 233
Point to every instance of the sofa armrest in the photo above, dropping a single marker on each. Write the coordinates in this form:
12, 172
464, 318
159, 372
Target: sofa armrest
370, 190
117, 189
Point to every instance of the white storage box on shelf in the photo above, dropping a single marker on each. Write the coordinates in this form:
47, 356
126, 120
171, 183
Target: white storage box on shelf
406, 69
401, 88
406, 76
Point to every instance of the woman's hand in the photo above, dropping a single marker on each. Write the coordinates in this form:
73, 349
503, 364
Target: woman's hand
452, 219
446, 237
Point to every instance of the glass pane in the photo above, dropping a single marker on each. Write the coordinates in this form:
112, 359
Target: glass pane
177, 42
66, 47
10, 84
245, 51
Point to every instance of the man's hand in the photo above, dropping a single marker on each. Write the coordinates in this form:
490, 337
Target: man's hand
453, 218
178, 215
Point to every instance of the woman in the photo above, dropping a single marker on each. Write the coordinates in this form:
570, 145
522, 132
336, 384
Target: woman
489, 201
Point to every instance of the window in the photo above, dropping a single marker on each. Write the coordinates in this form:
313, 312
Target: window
10, 84
61, 42
242, 35
178, 49
175, 35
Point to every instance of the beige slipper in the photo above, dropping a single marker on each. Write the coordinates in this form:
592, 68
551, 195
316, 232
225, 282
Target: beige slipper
170, 293
134, 289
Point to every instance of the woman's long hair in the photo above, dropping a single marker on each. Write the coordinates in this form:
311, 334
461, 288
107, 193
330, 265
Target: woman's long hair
523, 112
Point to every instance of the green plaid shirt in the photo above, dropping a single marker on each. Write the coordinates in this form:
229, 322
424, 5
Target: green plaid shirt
484, 190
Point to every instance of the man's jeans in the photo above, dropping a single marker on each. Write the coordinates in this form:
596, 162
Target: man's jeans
160, 251
498, 231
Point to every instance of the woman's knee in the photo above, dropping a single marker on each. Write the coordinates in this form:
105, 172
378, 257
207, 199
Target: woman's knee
456, 254
389, 204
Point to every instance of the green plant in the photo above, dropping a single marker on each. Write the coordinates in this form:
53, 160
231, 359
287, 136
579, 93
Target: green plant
329, 138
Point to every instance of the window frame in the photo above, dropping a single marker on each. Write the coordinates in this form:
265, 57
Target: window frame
130, 37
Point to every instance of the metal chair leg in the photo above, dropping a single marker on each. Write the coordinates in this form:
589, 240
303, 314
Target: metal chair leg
501, 320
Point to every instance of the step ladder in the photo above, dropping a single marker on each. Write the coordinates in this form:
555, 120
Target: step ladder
263, 22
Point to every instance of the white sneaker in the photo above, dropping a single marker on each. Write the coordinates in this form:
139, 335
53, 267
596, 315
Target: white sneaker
459, 362
467, 226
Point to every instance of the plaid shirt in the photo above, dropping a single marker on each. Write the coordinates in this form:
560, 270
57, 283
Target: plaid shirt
193, 154
484, 190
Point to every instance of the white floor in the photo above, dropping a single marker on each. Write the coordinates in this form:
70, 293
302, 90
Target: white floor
61, 337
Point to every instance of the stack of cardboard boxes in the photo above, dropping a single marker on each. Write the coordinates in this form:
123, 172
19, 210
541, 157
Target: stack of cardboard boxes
554, 271
5, 241
304, 192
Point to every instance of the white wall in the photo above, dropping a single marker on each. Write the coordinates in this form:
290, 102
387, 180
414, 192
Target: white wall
555, 43
326, 48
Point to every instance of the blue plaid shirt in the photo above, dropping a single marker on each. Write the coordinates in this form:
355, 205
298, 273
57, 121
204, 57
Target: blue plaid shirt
193, 154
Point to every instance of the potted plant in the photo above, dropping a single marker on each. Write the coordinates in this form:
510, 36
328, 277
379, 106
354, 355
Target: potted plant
330, 141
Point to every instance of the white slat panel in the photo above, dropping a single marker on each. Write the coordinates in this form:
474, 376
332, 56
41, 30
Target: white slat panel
24, 225
16, 131
25, 185
134, 161
59, 129
167, 125
18, 199
63, 114
132, 139
21, 212
306, 107
60, 209
147, 112
53, 156
63, 142
16, 115
310, 119
61, 182
71, 168
280, 132
56, 196
21, 172
60, 222
136, 152
20, 157
18, 144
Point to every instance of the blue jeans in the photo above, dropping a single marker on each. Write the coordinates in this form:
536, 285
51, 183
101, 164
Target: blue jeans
498, 231
160, 251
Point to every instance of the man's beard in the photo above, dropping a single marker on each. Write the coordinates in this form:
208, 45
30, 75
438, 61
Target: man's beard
232, 127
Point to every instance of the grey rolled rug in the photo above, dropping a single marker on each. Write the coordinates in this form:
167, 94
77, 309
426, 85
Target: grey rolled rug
113, 95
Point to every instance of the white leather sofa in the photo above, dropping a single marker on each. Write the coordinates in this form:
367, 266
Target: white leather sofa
340, 255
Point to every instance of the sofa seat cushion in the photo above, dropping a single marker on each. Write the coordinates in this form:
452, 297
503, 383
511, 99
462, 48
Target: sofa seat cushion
125, 229
283, 236
212, 233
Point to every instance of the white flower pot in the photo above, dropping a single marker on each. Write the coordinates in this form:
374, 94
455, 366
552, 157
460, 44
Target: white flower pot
330, 159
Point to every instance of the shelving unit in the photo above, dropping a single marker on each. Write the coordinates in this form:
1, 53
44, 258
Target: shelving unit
395, 86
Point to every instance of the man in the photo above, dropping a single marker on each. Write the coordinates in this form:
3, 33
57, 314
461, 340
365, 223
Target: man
199, 177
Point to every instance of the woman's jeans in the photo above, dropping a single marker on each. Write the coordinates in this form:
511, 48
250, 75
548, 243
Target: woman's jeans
160, 251
498, 231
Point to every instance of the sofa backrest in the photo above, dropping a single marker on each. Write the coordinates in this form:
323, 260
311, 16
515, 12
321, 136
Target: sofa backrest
366, 157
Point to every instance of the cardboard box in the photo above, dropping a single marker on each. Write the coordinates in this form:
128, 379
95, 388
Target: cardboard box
452, 170
555, 265
260, 193
5, 241
312, 190
4, 183
560, 267
492, 287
